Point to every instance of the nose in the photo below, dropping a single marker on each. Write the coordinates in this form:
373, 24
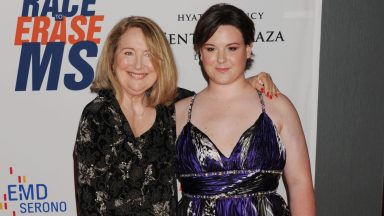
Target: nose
138, 62
221, 56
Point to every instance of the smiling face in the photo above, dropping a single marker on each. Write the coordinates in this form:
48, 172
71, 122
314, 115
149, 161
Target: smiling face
224, 55
133, 63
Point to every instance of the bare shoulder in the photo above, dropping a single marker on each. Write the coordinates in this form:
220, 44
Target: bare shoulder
282, 103
280, 109
182, 113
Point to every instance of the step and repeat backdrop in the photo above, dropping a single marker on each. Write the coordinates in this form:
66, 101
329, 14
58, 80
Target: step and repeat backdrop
49, 50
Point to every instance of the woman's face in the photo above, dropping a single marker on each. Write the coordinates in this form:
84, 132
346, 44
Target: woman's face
224, 55
133, 63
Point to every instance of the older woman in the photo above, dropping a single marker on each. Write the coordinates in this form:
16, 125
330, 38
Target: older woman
125, 148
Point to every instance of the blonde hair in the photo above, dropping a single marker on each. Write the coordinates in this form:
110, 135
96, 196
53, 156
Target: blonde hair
164, 89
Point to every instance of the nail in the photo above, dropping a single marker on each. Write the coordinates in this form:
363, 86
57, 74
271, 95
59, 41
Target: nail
262, 90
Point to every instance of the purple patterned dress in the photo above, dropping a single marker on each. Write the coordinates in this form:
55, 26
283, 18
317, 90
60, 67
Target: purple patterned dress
245, 183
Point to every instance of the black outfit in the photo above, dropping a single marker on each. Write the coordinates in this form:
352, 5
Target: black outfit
119, 174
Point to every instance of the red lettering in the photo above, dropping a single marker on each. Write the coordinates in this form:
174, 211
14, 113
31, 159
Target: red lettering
77, 29
92, 28
40, 27
59, 31
20, 30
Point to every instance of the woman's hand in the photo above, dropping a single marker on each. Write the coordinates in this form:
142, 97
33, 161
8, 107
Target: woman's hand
263, 82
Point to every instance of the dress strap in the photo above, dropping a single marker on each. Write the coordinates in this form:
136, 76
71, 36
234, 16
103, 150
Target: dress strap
261, 101
190, 108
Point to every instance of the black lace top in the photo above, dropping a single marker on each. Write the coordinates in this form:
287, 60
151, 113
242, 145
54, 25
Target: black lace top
118, 174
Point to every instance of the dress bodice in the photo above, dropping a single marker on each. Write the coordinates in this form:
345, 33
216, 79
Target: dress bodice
212, 183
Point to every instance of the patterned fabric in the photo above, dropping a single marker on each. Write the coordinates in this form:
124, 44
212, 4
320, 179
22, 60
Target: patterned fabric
245, 183
119, 174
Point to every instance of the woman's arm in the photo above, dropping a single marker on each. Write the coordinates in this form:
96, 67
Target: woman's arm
183, 93
90, 178
297, 171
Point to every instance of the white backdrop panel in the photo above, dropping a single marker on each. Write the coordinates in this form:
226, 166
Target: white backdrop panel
38, 127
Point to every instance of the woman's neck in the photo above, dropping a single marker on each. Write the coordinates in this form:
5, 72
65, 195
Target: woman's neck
227, 91
133, 104
139, 115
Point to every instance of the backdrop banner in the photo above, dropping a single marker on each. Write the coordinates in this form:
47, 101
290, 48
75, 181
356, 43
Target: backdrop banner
49, 51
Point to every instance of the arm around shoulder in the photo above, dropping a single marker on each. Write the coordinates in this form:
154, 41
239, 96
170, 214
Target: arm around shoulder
183, 93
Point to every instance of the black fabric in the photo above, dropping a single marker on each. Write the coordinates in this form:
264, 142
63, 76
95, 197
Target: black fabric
119, 174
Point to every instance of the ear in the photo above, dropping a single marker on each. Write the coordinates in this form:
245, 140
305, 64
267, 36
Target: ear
199, 53
249, 50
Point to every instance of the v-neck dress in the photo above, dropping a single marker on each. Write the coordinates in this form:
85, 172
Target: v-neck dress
117, 173
244, 183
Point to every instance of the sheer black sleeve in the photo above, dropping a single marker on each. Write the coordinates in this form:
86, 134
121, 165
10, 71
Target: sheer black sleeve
90, 174
183, 93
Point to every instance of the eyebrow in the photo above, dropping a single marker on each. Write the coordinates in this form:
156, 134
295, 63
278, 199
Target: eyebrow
124, 48
131, 48
230, 44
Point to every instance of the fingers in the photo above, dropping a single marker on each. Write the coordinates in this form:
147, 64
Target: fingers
255, 82
268, 87
264, 83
